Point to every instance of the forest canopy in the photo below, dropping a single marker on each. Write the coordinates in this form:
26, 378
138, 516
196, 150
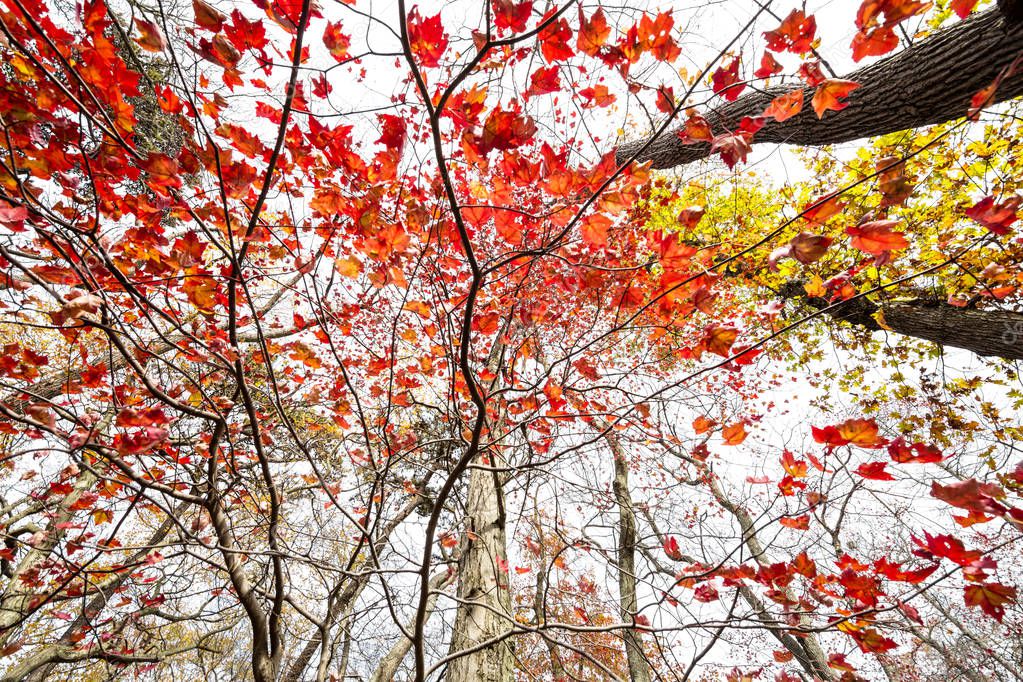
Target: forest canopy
510, 340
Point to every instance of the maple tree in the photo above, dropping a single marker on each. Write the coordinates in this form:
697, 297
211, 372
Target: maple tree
343, 344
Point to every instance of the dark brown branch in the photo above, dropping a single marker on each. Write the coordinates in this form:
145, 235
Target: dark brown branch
930, 82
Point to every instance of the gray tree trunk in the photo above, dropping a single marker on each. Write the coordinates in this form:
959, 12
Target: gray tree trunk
628, 602
484, 607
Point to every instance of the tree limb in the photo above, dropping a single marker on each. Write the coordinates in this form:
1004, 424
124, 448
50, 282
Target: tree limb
929, 82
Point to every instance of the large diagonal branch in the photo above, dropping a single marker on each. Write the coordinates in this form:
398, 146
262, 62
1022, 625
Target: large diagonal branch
988, 333
930, 82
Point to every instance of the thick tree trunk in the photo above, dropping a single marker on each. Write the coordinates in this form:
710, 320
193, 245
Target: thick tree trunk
484, 607
639, 669
988, 333
930, 82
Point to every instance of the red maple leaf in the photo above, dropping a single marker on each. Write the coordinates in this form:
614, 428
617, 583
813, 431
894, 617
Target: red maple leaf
768, 66
655, 35
555, 42
796, 33
874, 471
427, 39
732, 148
336, 42
543, 81
990, 598
671, 549
946, 547
511, 15
506, 129
725, 81
995, 216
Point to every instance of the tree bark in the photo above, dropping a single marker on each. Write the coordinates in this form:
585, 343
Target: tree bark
988, 333
484, 602
639, 668
929, 82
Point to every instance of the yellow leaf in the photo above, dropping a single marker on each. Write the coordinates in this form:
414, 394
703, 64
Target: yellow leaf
815, 287
348, 267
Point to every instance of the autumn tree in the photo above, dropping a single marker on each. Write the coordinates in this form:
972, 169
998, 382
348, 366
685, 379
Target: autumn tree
340, 343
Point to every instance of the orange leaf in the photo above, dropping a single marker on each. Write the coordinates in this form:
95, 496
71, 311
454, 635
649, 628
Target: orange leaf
207, 17
734, 434
655, 34
720, 338
597, 96
820, 210
348, 267
784, 107
594, 229
830, 95
862, 432
794, 468
796, 522
815, 287
150, 36
703, 424
592, 33
696, 129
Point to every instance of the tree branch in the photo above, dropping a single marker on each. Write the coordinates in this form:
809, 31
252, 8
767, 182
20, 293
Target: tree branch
930, 82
